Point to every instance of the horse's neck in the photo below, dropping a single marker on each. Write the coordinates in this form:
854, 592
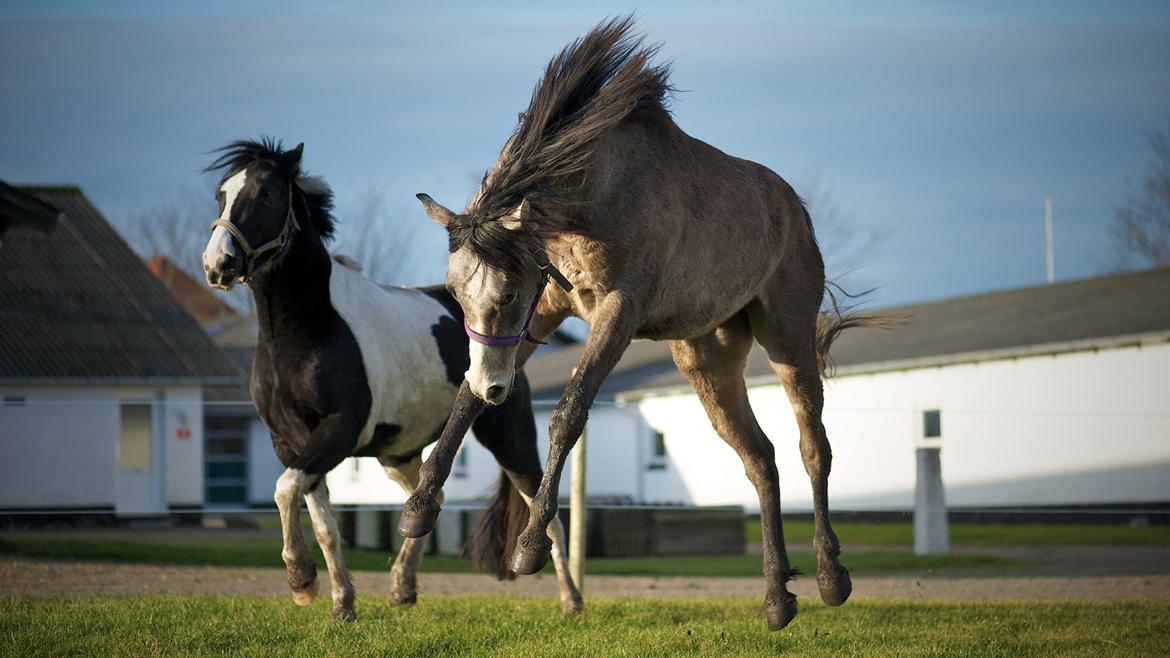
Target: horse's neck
292, 299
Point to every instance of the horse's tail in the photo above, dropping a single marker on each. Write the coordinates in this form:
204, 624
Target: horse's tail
836, 318
492, 541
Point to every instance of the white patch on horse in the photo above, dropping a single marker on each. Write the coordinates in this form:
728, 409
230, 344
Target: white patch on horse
220, 243
231, 189
404, 369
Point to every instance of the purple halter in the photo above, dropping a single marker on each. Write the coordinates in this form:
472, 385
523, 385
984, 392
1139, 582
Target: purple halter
548, 271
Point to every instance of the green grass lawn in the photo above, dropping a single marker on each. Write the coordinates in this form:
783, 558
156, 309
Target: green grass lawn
977, 534
265, 552
530, 627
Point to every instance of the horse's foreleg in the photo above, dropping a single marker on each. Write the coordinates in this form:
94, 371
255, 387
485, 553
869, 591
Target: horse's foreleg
403, 578
302, 572
329, 539
422, 508
610, 336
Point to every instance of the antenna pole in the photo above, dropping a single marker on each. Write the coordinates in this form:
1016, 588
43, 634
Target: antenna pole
1048, 235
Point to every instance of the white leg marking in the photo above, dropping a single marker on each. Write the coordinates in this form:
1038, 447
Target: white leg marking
329, 538
289, 489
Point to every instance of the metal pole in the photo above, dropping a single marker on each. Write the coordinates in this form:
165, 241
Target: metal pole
577, 515
1048, 236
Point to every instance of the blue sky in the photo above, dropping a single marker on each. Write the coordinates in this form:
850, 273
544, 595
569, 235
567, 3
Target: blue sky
937, 126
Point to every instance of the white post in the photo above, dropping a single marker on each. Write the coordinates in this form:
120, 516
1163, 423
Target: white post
1048, 236
931, 532
577, 515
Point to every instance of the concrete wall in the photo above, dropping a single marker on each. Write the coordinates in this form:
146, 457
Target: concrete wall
1077, 428
60, 447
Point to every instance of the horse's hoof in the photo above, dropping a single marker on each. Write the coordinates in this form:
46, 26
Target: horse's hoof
418, 519
528, 559
345, 614
835, 587
572, 605
305, 595
403, 597
780, 614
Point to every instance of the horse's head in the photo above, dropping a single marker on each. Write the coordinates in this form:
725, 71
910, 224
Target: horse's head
259, 199
497, 270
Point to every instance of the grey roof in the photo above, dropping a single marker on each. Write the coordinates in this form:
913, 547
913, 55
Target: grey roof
77, 305
1060, 317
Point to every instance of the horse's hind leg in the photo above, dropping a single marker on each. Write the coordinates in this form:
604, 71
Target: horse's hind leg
329, 538
302, 572
714, 365
785, 325
404, 573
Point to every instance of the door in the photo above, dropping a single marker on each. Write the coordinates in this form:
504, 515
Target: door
226, 461
140, 468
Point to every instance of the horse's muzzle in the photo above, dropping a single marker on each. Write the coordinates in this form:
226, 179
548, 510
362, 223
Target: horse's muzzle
223, 273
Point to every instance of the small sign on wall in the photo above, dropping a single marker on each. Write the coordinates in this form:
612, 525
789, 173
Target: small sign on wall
183, 431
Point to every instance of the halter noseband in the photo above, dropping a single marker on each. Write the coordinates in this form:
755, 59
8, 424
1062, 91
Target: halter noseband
547, 271
277, 243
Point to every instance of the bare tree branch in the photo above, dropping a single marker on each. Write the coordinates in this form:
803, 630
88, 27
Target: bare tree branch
177, 229
1141, 225
846, 245
380, 242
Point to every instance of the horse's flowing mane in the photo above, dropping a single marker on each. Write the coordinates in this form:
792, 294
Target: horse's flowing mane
593, 85
243, 152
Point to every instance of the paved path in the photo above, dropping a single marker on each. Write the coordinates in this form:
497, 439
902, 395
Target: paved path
19, 577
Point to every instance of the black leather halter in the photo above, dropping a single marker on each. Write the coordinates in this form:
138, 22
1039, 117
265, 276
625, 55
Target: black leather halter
251, 254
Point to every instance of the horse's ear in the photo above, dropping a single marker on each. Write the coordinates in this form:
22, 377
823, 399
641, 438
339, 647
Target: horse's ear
293, 157
435, 211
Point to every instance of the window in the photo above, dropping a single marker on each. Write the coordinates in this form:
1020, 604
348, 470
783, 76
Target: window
134, 449
932, 424
657, 451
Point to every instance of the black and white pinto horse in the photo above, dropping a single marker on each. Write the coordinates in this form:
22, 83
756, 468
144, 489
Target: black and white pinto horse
345, 367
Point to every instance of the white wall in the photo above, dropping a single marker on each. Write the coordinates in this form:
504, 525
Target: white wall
1078, 428
263, 466
60, 448
183, 407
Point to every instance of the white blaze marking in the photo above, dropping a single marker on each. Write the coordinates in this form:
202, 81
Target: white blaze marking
220, 243
231, 188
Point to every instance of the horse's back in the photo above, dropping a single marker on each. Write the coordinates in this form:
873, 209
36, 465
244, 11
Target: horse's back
405, 336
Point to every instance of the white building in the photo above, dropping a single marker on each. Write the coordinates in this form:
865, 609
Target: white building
101, 371
1048, 396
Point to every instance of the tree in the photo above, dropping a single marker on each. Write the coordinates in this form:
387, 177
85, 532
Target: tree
379, 244
1141, 225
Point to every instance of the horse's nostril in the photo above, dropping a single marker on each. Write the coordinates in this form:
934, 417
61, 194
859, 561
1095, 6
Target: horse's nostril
495, 393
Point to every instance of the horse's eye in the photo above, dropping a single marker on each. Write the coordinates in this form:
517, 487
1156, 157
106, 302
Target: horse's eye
508, 298
263, 193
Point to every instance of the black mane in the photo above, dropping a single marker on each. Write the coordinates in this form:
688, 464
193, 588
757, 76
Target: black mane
244, 152
593, 85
